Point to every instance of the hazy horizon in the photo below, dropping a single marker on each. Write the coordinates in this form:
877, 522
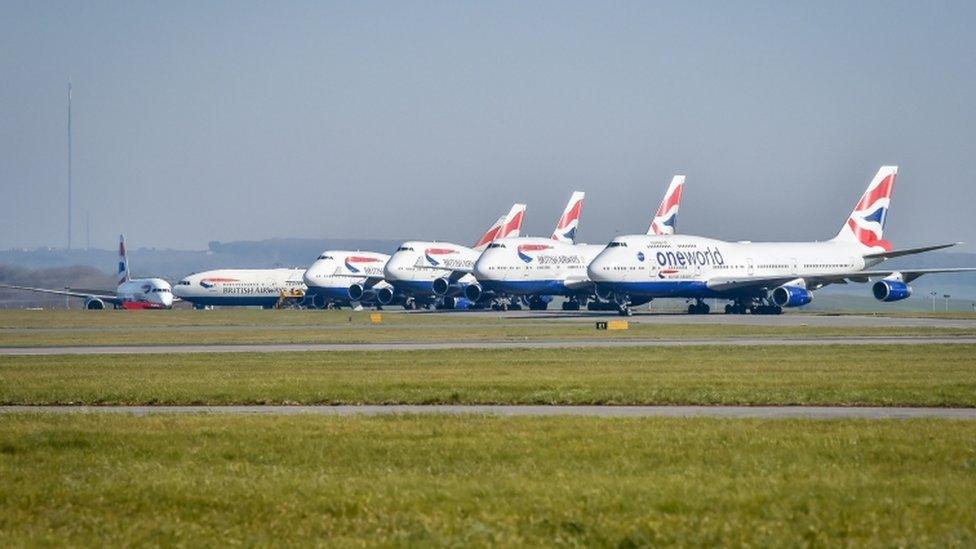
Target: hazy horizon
228, 122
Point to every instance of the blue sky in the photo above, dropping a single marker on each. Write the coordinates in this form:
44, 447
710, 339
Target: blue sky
225, 121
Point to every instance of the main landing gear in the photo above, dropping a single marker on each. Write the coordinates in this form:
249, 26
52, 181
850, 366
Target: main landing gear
699, 307
571, 304
754, 306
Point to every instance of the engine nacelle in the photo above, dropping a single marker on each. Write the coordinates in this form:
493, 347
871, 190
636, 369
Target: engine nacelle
891, 290
791, 296
443, 287
94, 304
318, 301
358, 292
385, 295
473, 292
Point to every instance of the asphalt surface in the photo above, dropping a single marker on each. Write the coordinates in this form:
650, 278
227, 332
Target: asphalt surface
759, 412
528, 344
788, 319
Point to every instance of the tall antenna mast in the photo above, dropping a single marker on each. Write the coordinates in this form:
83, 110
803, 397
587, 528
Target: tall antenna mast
69, 162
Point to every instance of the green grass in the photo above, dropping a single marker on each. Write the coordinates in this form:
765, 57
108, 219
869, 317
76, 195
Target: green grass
54, 328
916, 375
95, 480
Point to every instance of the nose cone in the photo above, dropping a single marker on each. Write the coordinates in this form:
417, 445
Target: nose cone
312, 274
166, 298
396, 263
599, 269
178, 290
482, 267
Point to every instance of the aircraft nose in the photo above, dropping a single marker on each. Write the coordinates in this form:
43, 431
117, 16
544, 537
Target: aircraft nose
395, 262
309, 276
599, 269
482, 268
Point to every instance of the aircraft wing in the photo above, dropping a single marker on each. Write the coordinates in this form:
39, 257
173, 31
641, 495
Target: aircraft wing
453, 272
818, 281
578, 283
910, 251
109, 297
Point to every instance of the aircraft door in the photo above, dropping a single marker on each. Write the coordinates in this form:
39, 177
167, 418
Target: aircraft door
750, 269
793, 266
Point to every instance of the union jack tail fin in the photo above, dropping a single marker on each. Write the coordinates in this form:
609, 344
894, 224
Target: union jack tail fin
123, 261
507, 225
866, 223
666, 217
512, 226
569, 221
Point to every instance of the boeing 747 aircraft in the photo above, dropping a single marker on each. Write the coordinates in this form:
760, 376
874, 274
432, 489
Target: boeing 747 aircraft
535, 269
761, 278
424, 271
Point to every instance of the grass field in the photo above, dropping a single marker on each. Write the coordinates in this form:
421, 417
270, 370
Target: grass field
52, 328
917, 375
87, 480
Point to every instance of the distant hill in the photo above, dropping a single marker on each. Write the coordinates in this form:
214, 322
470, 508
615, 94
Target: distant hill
174, 264
55, 278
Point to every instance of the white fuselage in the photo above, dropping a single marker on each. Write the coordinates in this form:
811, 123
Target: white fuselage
330, 276
542, 266
698, 267
145, 293
415, 265
240, 287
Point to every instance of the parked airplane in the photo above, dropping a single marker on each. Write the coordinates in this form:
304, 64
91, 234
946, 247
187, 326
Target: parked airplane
761, 278
240, 287
423, 272
536, 269
340, 277
131, 293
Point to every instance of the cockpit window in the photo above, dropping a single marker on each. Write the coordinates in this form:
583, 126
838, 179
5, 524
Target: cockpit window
323, 256
404, 249
617, 245
496, 245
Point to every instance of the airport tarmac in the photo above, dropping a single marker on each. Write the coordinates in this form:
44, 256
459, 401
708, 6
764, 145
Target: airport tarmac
756, 412
528, 344
783, 320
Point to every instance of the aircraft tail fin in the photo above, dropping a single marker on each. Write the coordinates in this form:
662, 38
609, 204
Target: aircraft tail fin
865, 225
569, 222
507, 225
666, 217
123, 261
512, 227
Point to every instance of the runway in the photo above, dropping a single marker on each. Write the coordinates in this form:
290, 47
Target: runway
754, 412
527, 344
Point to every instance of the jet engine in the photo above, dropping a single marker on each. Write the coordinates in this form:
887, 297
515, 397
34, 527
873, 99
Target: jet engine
386, 295
358, 292
791, 296
94, 304
443, 287
473, 292
891, 290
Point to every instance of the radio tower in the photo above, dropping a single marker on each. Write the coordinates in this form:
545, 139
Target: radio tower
69, 162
